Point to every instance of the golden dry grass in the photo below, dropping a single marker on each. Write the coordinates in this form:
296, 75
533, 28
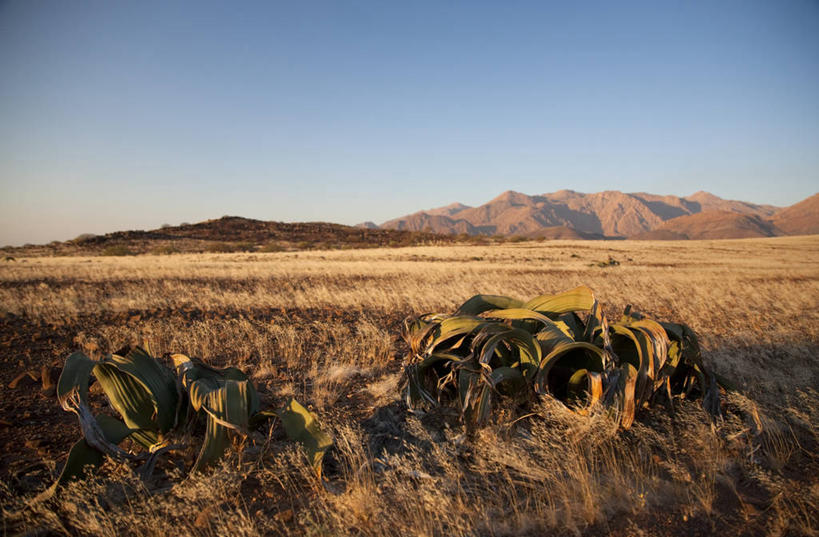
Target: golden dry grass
323, 326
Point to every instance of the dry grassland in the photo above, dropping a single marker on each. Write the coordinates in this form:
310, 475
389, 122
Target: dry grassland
324, 325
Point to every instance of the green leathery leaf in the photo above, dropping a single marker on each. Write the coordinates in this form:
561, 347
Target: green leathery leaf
646, 373
141, 389
482, 406
658, 339
76, 373
596, 324
481, 303
574, 326
674, 331
578, 299
518, 314
198, 391
128, 396
228, 407
302, 426
584, 390
216, 439
551, 337
82, 455
654, 345
528, 354
454, 327
200, 380
238, 403
674, 355
417, 331
627, 387
158, 379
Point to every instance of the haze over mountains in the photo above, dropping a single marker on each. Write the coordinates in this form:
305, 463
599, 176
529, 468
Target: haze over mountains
613, 214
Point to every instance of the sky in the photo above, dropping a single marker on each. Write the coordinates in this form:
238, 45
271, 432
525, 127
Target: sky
130, 115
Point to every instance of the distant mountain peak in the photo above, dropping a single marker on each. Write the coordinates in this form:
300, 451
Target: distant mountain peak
511, 196
702, 195
448, 210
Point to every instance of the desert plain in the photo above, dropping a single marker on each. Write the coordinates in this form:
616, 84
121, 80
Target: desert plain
324, 326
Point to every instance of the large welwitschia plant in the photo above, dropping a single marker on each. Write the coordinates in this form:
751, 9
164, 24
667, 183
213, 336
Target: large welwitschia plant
561, 345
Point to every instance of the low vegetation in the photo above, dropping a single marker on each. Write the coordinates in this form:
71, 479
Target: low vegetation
116, 250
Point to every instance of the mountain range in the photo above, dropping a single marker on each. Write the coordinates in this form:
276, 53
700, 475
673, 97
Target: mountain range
567, 214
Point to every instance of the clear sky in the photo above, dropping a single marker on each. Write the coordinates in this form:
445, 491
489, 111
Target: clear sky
127, 115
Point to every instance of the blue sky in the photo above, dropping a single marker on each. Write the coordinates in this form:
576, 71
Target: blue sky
128, 115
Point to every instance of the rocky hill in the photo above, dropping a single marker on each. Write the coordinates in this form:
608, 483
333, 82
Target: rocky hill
230, 234
801, 218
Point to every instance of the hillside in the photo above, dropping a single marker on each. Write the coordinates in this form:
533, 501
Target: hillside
609, 214
712, 225
709, 202
801, 218
230, 234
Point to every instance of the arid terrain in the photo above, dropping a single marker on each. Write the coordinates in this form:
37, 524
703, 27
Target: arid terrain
324, 326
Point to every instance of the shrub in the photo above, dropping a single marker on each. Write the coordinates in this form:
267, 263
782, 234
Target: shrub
167, 249
497, 346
